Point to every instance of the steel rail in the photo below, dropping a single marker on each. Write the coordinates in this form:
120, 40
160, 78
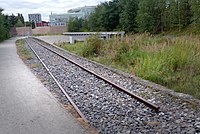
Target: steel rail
147, 103
62, 89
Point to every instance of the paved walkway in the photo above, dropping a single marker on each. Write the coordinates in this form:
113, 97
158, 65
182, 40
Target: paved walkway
26, 106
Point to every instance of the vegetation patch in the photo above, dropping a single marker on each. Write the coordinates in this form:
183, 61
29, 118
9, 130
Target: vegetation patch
35, 66
170, 61
23, 52
76, 49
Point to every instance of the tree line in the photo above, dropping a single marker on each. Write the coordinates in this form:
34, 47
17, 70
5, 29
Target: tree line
4, 26
133, 16
9, 21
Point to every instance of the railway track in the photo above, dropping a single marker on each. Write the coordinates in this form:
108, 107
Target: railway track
115, 86
133, 84
140, 99
62, 89
95, 98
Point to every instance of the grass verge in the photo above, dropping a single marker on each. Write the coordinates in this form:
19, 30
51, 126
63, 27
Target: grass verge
173, 62
23, 52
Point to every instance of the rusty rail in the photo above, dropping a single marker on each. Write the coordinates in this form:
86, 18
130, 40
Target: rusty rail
147, 103
62, 89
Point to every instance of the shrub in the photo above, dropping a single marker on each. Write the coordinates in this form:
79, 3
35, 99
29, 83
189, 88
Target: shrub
169, 61
92, 46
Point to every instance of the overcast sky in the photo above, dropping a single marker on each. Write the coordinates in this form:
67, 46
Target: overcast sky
45, 7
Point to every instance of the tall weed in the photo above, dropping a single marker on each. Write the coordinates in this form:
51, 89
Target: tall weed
170, 61
92, 46
175, 66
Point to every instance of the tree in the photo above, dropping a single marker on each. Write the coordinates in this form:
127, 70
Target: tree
4, 26
20, 17
19, 23
97, 20
106, 17
75, 25
152, 16
1, 25
111, 15
162, 16
13, 20
180, 13
28, 24
33, 25
19, 20
7, 26
185, 13
195, 8
128, 15
145, 16
85, 27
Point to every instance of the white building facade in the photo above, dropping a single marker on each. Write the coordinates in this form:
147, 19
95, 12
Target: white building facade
62, 19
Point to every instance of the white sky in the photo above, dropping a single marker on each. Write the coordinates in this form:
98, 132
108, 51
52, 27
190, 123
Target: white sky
44, 7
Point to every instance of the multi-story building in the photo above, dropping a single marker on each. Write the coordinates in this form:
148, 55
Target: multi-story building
35, 18
62, 19
85, 11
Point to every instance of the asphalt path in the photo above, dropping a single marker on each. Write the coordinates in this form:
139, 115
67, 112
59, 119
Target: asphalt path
26, 106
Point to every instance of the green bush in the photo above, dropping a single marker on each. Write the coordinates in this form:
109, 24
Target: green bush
92, 46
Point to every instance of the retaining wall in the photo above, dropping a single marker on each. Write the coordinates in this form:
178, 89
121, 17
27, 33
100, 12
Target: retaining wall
22, 31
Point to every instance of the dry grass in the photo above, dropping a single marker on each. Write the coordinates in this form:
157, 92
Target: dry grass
22, 50
173, 62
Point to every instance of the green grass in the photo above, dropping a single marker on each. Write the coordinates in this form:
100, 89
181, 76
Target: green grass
35, 66
22, 50
77, 49
191, 29
173, 62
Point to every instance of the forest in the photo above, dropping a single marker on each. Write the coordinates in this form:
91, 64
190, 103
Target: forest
133, 16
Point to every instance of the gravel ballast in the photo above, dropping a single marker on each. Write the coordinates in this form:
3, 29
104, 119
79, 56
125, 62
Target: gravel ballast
110, 110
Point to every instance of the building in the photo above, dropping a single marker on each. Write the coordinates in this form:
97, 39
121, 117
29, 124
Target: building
35, 18
85, 11
62, 19
42, 24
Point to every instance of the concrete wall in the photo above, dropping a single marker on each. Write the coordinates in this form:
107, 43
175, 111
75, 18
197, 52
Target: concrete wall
54, 38
41, 30
21, 31
58, 29
13, 31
